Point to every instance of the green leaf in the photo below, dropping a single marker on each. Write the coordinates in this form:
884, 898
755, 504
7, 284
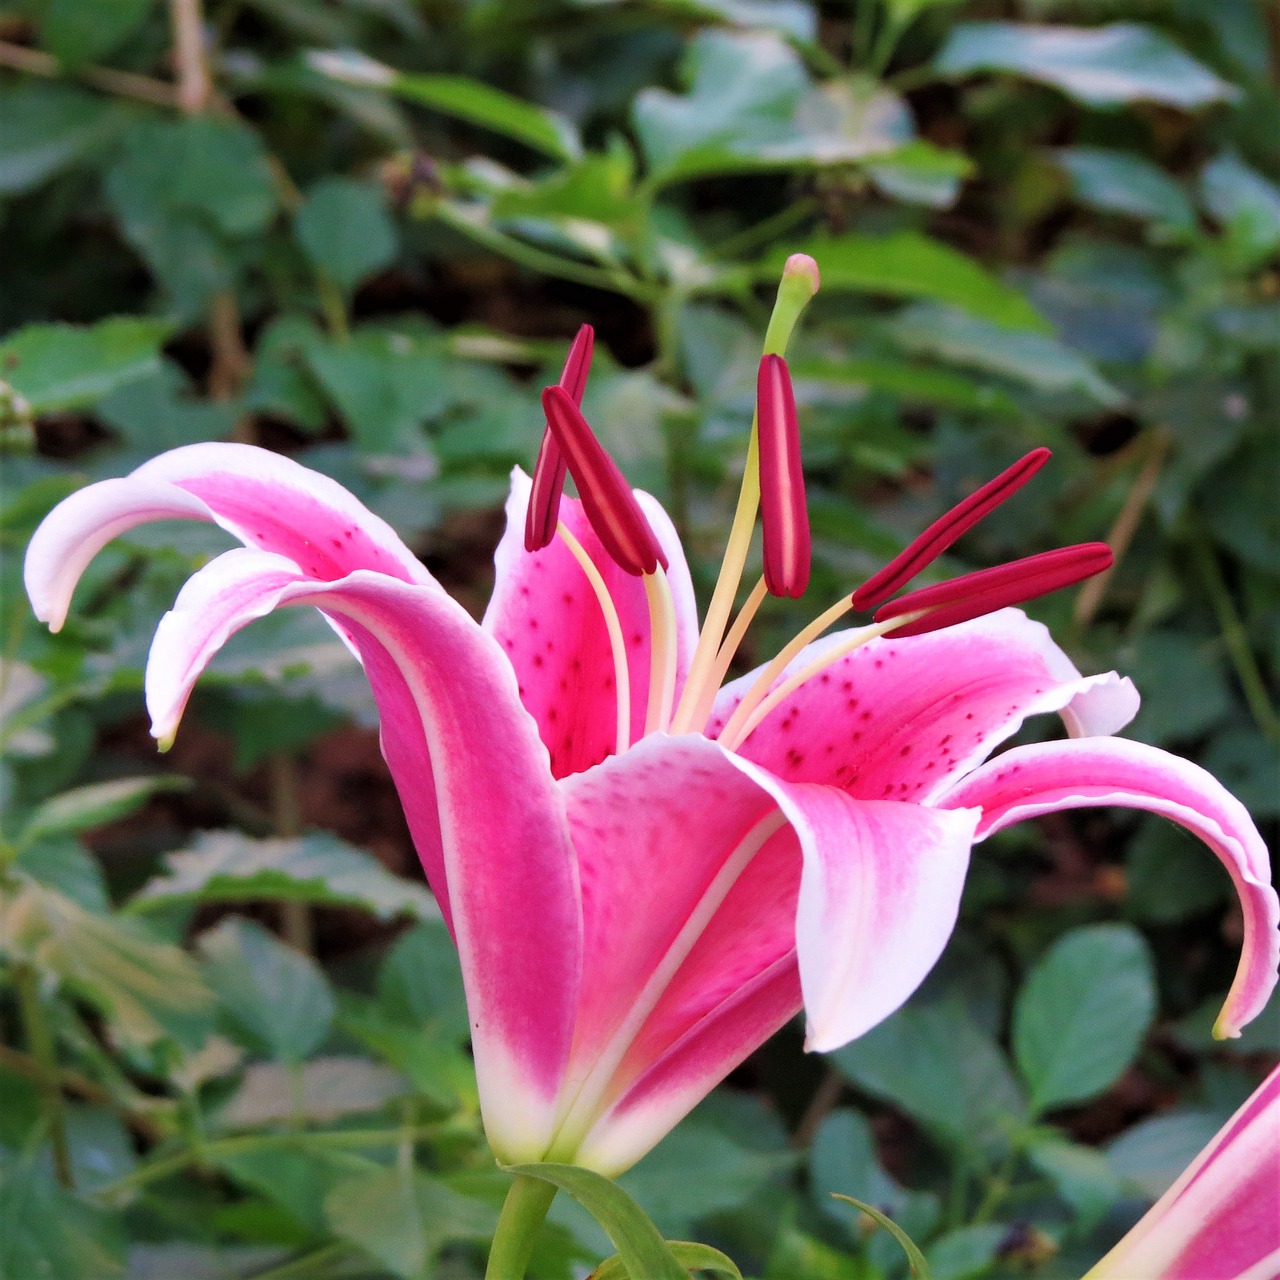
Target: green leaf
344, 228
915, 1259
1082, 1014
62, 366
907, 264
1170, 875
1154, 1152
1035, 359
80, 31
1166, 663
322, 1090
95, 805
385, 385
275, 995
693, 1257
1122, 183
640, 1246
935, 1064
158, 412
149, 990
403, 1218
1101, 66
420, 982
1082, 1176
48, 1234
66, 865
1244, 202
967, 1252
462, 98
696, 1171
224, 866
744, 90
48, 128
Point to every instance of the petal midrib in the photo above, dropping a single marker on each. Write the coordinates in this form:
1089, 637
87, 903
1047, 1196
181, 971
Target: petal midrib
580, 1110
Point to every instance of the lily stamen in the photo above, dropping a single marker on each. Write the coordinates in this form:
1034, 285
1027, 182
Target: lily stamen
800, 281
613, 626
543, 514
662, 652
975, 594
611, 507
784, 514
758, 691
946, 530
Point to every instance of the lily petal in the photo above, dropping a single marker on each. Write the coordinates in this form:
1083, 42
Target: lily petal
1221, 1219
267, 501
482, 805
548, 621
871, 892
1046, 777
903, 719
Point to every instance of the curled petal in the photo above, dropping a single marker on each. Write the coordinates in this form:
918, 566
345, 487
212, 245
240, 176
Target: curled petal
267, 501
1046, 777
82, 524
482, 805
1221, 1219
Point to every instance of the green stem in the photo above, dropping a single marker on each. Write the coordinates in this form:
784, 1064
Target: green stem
40, 1042
522, 1215
1236, 639
333, 1139
536, 259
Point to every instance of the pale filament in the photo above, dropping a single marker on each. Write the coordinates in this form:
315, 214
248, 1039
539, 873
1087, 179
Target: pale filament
696, 714
617, 644
755, 695
855, 641
662, 651
698, 687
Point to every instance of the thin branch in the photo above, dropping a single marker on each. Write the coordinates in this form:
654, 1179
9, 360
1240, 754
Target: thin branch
125, 84
1122, 531
195, 85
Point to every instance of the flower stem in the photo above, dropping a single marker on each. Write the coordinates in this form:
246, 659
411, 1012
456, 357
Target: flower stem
522, 1214
40, 1042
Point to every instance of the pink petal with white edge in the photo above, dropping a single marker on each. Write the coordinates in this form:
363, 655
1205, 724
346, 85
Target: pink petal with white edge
275, 504
1221, 1219
82, 524
1027, 781
267, 501
665, 834
548, 621
736, 980
903, 719
228, 593
473, 778
872, 923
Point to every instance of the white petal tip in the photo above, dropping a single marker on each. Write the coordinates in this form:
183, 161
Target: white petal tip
164, 740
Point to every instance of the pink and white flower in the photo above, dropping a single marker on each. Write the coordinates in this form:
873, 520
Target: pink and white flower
1221, 1219
647, 874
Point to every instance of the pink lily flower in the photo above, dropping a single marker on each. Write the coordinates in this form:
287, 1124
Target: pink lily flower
1221, 1219
647, 874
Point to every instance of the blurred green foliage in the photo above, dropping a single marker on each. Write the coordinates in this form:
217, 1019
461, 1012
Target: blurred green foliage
362, 231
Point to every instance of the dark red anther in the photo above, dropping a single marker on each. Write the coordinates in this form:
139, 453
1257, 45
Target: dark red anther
976, 594
548, 472
611, 507
783, 510
946, 530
